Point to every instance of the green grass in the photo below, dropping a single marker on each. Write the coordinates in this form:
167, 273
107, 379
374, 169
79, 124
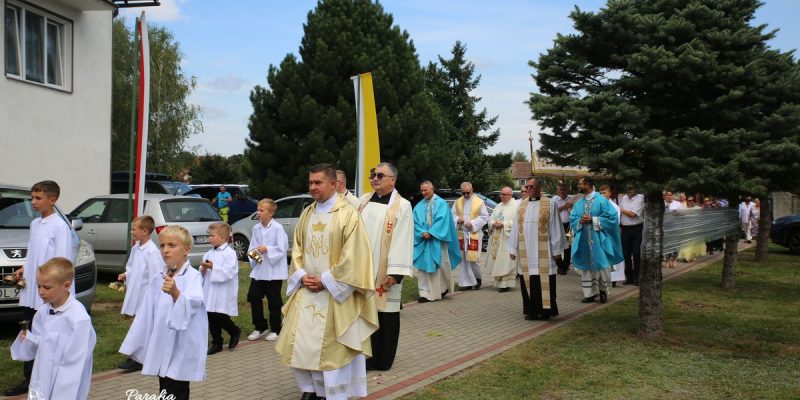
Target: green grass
738, 344
111, 327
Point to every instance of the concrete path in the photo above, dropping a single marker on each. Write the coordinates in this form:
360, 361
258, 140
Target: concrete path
437, 340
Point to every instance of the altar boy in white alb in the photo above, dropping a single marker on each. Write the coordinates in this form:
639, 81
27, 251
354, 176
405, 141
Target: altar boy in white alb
61, 338
144, 263
169, 335
220, 270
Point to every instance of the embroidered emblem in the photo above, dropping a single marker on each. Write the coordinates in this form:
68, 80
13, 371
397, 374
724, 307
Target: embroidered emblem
320, 227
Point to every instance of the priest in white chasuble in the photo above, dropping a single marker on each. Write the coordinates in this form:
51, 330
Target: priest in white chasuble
436, 251
504, 269
389, 222
470, 215
537, 240
330, 312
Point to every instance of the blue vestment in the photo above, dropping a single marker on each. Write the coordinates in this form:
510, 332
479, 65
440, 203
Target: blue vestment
594, 250
428, 252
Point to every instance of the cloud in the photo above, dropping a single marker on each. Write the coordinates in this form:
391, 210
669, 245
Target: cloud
230, 83
168, 11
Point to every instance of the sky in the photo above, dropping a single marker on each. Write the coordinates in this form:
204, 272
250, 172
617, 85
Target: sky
229, 49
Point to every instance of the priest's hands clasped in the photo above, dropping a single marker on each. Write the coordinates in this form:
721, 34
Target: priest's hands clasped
312, 282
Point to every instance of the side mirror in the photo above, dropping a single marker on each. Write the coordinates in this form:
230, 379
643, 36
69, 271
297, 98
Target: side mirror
77, 224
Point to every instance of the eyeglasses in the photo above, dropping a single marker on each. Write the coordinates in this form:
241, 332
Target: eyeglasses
466, 193
505, 194
379, 176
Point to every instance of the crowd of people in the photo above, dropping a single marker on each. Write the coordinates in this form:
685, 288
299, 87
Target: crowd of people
349, 258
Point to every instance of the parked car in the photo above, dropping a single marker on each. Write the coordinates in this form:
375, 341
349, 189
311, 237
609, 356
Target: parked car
209, 191
241, 206
16, 215
785, 231
154, 183
287, 214
105, 224
495, 195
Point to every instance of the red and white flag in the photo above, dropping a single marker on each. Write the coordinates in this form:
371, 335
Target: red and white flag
143, 114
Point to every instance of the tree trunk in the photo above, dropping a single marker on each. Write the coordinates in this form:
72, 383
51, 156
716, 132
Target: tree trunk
650, 276
764, 224
729, 263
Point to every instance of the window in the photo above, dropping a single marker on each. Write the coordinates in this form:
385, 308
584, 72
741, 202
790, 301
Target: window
37, 45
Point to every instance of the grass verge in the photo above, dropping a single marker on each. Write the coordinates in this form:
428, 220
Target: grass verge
717, 344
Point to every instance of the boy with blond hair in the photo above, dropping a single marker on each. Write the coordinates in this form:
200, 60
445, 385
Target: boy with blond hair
220, 269
169, 334
144, 262
50, 236
269, 239
61, 337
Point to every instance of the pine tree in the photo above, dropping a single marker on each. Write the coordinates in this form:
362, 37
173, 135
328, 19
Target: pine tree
306, 113
452, 83
664, 94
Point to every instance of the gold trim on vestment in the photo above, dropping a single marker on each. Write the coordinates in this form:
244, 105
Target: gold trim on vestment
544, 247
474, 212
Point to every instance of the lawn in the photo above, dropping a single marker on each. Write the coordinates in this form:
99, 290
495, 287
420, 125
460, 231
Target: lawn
738, 344
111, 326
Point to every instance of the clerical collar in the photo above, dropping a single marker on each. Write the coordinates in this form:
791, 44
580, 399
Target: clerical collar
62, 308
534, 198
589, 195
325, 206
385, 199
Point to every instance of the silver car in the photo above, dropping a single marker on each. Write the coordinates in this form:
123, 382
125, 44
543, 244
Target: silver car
16, 214
287, 214
105, 224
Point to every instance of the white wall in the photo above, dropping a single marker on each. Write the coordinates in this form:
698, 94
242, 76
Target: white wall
51, 134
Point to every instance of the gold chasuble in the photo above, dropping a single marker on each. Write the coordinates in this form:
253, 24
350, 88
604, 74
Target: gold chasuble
473, 249
544, 247
319, 333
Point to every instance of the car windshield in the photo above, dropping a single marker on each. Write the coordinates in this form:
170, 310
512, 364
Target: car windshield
16, 211
188, 211
489, 202
176, 188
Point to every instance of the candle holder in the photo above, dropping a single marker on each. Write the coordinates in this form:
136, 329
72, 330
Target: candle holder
255, 255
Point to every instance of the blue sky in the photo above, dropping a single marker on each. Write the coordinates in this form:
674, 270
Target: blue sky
228, 49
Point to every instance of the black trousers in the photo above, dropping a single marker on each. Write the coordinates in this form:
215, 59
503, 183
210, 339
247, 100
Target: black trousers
216, 323
178, 389
632, 251
532, 302
272, 291
27, 366
563, 265
384, 341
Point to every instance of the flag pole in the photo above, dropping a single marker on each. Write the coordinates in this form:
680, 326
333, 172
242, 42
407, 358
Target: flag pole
132, 151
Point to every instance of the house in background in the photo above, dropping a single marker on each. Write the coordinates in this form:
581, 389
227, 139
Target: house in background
55, 94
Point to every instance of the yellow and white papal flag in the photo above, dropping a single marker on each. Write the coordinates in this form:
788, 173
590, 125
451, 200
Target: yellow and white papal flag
369, 153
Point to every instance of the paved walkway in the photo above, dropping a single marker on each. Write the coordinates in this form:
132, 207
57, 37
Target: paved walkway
436, 340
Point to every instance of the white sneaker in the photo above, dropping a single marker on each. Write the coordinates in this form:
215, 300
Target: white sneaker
271, 337
257, 335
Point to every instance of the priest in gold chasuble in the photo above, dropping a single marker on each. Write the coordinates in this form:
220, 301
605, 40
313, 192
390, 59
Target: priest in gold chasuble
537, 240
330, 312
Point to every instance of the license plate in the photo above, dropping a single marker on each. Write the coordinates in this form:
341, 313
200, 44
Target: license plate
202, 239
9, 293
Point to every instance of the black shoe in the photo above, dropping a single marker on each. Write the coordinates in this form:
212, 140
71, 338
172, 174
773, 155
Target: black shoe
613, 284
309, 396
465, 288
636, 282
588, 299
214, 349
130, 365
603, 297
22, 388
234, 340
445, 293
478, 286
423, 300
503, 290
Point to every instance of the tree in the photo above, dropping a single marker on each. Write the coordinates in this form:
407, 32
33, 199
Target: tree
452, 85
172, 119
306, 113
214, 168
519, 157
663, 94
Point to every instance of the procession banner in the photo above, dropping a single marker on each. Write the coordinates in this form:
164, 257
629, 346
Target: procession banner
143, 114
368, 143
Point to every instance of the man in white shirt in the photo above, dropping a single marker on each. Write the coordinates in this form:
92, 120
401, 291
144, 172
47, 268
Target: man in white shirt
745, 222
564, 205
631, 208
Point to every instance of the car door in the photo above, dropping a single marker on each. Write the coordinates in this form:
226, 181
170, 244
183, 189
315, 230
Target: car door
287, 215
91, 212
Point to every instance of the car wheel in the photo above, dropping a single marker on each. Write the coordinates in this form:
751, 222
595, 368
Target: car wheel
240, 245
793, 242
